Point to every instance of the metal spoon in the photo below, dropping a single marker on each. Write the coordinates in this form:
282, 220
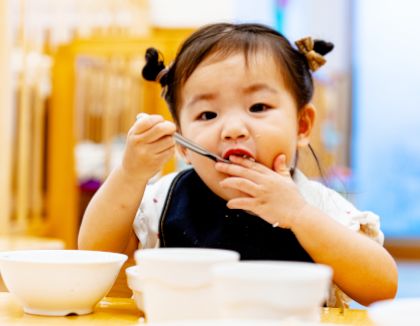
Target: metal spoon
193, 146
198, 149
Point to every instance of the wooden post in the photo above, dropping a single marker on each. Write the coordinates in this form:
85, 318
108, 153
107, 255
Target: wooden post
6, 116
23, 131
62, 202
38, 134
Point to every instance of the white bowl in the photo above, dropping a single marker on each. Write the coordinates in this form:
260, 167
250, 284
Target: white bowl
177, 283
59, 282
134, 281
402, 311
271, 290
235, 322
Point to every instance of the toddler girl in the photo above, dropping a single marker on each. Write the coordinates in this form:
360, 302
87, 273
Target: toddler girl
243, 92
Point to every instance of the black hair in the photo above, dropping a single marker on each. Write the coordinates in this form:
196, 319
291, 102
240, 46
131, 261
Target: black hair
154, 65
224, 39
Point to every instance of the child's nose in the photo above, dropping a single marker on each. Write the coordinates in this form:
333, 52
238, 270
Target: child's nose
234, 129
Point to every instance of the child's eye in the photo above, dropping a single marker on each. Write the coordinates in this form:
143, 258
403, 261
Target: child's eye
259, 107
207, 115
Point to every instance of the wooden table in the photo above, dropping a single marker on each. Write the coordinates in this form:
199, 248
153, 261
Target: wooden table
123, 311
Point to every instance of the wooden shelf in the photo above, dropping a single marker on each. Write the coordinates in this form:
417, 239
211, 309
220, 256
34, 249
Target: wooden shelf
403, 249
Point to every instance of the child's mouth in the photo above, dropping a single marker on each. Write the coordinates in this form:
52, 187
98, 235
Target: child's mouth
239, 152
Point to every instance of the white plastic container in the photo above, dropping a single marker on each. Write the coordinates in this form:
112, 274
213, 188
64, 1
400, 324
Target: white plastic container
177, 282
59, 282
271, 290
135, 283
402, 311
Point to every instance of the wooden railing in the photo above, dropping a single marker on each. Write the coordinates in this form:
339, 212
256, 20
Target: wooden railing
96, 93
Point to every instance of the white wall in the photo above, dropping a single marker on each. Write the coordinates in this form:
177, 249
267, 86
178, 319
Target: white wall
387, 119
261, 11
195, 13
190, 13
325, 19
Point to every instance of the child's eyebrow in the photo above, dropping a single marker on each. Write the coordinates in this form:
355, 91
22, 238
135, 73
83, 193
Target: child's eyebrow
201, 97
259, 87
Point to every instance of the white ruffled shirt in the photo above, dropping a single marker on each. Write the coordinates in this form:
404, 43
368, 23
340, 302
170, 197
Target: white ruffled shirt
146, 222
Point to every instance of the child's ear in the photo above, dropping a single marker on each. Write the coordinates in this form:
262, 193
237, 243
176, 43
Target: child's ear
183, 152
306, 120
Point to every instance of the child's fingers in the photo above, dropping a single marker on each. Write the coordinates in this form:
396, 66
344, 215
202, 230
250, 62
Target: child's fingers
280, 165
244, 185
141, 115
244, 203
243, 167
156, 132
160, 145
250, 164
165, 154
144, 122
238, 170
164, 144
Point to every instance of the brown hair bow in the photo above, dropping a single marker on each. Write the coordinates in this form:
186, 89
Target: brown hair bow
306, 47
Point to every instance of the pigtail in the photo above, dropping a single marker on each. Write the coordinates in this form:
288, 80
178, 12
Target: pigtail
323, 47
154, 69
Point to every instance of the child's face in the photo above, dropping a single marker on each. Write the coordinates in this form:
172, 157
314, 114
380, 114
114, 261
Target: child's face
230, 108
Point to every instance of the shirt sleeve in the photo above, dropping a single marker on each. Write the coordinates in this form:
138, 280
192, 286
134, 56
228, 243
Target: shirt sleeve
340, 209
146, 222
343, 211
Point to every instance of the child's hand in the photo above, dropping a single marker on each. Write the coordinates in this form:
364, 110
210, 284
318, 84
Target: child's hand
272, 195
149, 146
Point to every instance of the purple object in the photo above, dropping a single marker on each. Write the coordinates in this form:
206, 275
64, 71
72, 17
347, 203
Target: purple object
90, 185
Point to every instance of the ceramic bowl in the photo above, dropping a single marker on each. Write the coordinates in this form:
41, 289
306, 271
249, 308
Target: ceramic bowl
135, 281
177, 282
401, 311
236, 322
59, 282
271, 290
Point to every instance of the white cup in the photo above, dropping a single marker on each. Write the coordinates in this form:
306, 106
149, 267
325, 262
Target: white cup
135, 283
401, 311
177, 282
271, 290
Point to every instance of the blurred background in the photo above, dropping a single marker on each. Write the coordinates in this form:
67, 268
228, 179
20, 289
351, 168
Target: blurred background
71, 88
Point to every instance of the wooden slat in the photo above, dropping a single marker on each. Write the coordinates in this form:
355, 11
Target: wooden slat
6, 117
62, 194
37, 164
23, 132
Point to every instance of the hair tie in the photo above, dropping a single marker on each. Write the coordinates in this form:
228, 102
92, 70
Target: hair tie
306, 47
160, 75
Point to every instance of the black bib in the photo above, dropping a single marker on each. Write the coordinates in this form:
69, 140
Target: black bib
193, 216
